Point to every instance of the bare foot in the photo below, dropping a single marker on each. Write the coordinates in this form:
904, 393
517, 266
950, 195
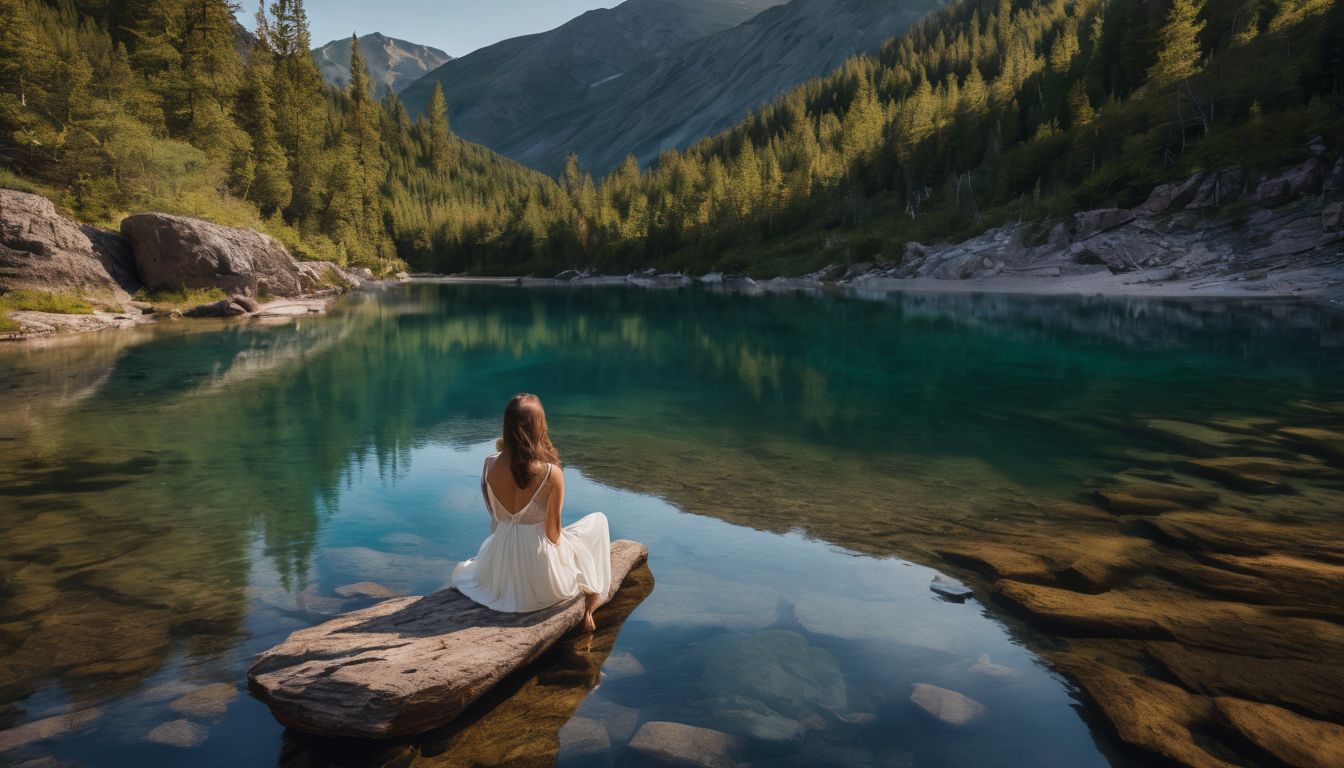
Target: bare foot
588, 624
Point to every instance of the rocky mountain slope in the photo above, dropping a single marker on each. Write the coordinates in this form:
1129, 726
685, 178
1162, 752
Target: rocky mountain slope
711, 84
519, 92
393, 64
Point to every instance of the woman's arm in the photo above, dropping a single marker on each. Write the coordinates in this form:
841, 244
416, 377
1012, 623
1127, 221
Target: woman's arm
485, 491
555, 502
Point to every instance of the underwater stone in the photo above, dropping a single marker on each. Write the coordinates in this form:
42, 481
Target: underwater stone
677, 745
946, 706
183, 734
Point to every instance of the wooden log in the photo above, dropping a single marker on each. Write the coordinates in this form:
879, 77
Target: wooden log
410, 664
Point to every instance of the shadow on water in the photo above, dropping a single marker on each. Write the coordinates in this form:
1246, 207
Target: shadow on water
517, 723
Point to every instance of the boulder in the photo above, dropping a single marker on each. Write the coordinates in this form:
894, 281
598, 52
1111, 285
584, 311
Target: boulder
1172, 196
1291, 183
221, 308
175, 253
410, 664
1332, 217
1218, 188
1089, 223
44, 251
248, 303
683, 746
950, 708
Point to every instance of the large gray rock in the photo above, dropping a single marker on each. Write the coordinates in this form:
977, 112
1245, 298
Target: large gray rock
176, 252
1290, 183
409, 664
43, 251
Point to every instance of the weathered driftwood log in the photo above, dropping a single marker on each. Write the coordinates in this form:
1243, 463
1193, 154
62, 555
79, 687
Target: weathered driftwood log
410, 664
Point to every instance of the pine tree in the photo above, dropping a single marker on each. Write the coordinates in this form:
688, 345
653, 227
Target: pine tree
1065, 47
299, 108
1080, 107
261, 174
1178, 53
440, 134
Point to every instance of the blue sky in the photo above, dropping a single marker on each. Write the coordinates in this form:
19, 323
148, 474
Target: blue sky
456, 26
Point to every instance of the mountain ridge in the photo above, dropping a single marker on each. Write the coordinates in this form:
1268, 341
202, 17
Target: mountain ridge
393, 64
497, 90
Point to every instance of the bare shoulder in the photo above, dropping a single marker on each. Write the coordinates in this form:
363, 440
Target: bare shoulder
557, 476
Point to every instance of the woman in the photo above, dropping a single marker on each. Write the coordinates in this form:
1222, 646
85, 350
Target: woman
529, 562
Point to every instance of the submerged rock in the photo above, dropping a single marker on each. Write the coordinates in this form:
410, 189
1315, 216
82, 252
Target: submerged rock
948, 707
781, 669
47, 728
987, 667
583, 742
183, 734
622, 664
677, 745
366, 589
210, 701
620, 721
409, 664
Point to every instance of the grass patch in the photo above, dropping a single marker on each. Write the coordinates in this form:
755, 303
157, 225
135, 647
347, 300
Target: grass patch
184, 297
7, 325
43, 301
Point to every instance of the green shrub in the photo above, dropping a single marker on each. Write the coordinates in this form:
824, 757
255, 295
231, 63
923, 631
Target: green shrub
44, 301
185, 297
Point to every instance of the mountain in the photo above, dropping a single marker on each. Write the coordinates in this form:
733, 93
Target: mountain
393, 64
510, 94
710, 84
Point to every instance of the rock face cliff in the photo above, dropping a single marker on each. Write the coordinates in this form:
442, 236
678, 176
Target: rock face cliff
41, 250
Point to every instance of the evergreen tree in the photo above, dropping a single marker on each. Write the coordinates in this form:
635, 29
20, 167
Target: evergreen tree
1179, 54
262, 173
439, 132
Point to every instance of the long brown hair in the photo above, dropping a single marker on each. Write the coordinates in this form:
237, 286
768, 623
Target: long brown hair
526, 438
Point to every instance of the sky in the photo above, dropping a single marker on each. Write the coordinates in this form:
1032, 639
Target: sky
456, 26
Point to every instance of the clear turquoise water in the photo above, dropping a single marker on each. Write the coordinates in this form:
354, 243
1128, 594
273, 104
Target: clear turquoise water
174, 501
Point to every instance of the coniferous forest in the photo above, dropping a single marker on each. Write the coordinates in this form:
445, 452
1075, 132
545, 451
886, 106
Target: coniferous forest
984, 112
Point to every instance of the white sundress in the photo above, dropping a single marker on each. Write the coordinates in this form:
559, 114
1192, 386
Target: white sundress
519, 570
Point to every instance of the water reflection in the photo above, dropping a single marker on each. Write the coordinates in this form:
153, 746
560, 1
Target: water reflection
173, 501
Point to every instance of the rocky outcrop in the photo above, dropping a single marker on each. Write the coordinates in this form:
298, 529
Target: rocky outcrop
174, 253
410, 664
43, 251
1286, 222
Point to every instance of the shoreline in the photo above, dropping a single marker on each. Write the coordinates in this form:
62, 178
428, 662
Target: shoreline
1317, 285
1320, 284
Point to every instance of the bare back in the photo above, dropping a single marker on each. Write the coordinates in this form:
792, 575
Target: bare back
513, 499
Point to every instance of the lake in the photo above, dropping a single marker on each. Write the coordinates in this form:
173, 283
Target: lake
801, 465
